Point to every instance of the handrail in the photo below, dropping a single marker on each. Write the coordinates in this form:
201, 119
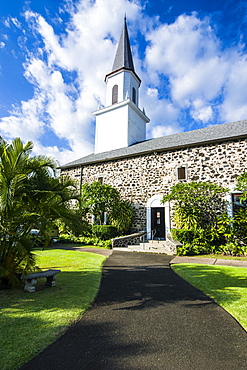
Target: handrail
152, 232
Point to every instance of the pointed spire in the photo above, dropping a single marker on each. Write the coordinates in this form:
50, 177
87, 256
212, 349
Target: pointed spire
123, 57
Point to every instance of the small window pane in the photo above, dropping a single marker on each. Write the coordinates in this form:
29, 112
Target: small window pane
181, 173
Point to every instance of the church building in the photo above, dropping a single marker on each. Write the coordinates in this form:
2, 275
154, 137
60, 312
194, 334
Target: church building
145, 170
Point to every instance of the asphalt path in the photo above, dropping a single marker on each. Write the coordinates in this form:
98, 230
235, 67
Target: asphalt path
147, 317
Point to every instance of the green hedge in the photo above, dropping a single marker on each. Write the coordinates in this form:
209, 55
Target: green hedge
206, 241
65, 238
104, 232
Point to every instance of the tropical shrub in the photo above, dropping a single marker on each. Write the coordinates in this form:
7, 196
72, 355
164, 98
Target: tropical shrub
92, 241
104, 232
239, 225
242, 186
31, 197
197, 204
102, 199
232, 249
121, 216
191, 249
98, 199
198, 209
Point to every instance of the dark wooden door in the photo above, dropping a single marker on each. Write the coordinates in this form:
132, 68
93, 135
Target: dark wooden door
158, 221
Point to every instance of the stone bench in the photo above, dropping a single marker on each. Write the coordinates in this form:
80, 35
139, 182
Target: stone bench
31, 279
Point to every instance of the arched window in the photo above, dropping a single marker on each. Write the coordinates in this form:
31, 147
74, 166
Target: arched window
115, 94
134, 95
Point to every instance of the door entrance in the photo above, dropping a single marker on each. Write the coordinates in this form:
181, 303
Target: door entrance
158, 221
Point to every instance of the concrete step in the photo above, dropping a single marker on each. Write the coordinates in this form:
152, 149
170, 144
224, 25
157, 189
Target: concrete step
149, 246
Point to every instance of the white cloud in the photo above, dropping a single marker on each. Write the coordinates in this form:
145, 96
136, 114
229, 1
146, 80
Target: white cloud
185, 68
61, 104
2, 44
199, 69
203, 113
16, 22
234, 106
163, 115
6, 22
163, 130
11, 20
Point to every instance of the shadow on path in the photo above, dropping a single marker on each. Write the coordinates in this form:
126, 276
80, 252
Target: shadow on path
147, 317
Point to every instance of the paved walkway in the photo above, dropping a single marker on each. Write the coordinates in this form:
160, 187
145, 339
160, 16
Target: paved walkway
147, 317
210, 261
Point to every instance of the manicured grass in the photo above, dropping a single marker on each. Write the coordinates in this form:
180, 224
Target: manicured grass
226, 285
220, 256
31, 321
78, 245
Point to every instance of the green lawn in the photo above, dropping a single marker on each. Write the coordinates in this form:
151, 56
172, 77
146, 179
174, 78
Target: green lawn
226, 285
31, 321
220, 256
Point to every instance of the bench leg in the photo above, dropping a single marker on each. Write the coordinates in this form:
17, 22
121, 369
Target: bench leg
51, 280
30, 285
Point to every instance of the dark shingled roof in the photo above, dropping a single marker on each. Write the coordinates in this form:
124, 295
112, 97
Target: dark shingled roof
123, 57
216, 133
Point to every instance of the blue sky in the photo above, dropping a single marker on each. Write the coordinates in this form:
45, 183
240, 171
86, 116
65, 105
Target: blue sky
190, 55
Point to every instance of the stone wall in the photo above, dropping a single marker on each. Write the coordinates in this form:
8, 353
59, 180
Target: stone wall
139, 178
124, 241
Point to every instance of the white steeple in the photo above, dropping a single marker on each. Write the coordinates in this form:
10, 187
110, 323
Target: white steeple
121, 123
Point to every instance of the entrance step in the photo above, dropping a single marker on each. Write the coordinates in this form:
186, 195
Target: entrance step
154, 246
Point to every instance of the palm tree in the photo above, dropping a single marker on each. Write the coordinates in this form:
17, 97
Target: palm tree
31, 196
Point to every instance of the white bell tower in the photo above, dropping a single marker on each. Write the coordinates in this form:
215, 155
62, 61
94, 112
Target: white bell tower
121, 123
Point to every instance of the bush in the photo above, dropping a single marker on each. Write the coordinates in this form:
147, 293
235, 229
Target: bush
197, 204
64, 238
240, 226
233, 249
104, 232
182, 235
198, 241
83, 228
121, 216
188, 249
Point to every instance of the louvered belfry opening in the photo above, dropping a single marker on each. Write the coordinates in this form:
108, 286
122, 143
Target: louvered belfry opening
134, 95
115, 94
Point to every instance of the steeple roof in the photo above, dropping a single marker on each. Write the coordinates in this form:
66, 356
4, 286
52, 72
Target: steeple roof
123, 57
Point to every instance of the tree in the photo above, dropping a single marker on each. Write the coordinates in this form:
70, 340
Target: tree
197, 204
99, 199
198, 207
31, 196
240, 217
121, 216
242, 186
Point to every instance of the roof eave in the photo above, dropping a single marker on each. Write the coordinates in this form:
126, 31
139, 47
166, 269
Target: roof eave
123, 69
153, 150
